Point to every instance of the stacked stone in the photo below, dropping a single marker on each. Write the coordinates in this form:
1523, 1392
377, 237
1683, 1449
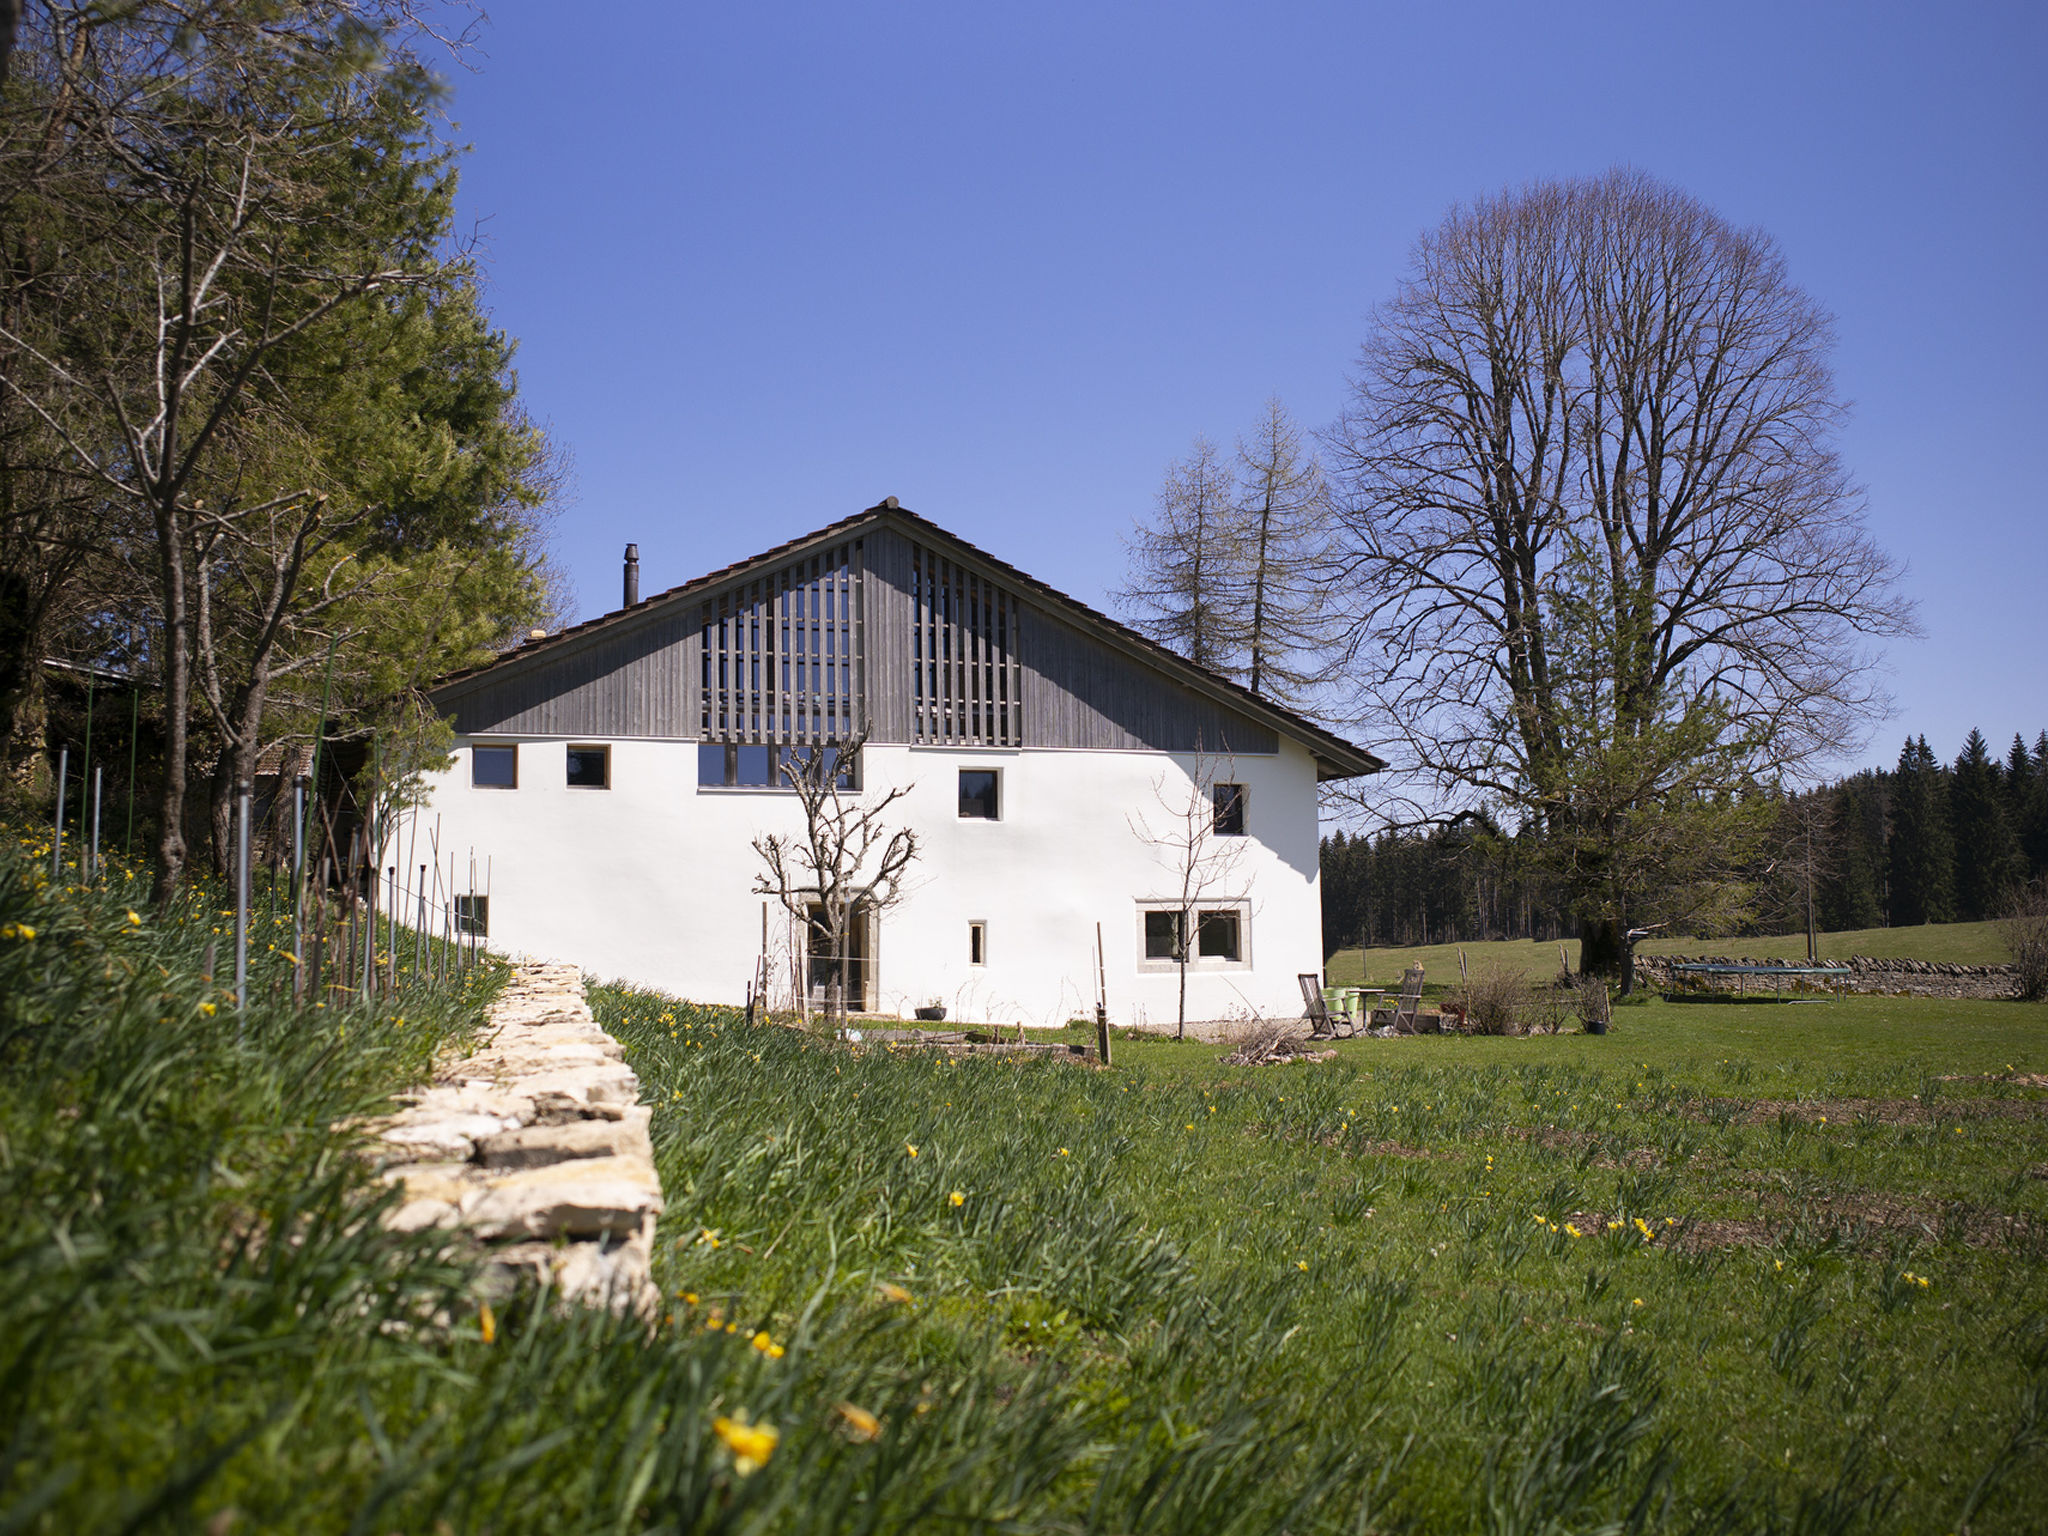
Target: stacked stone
536, 1145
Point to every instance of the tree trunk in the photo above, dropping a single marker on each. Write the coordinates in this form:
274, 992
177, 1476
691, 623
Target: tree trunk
177, 670
1603, 948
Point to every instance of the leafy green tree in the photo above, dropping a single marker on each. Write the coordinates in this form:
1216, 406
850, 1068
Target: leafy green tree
1922, 849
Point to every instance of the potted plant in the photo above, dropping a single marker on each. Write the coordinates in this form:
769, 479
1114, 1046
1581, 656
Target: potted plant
932, 1012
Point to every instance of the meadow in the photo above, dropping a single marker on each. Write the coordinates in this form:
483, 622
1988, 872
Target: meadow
1737, 1268
1945, 943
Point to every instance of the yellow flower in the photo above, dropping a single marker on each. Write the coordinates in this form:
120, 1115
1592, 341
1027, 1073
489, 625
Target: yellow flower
767, 1346
910, 1149
487, 1320
1302, 1265
1575, 1232
1780, 1263
1613, 1226
208, 1009
751, 1444
1062, 1152
1639, 1301
1212, 1109
1191, 1125
893, 1292
957, 1198
860, 1424
17, 931
133, 920
710, 1237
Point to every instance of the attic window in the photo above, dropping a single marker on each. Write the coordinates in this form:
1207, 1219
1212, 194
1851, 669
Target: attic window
494, 767
590, 768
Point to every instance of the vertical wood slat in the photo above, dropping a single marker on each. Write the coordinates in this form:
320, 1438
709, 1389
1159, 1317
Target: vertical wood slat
779, 655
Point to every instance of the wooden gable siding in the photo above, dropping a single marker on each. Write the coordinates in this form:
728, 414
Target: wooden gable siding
1065, 687
641, 681
1076, 691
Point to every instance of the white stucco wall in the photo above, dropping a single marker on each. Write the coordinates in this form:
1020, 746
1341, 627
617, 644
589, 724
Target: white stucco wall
650, 880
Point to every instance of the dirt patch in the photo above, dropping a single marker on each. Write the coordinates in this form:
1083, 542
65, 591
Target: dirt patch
1864, 1111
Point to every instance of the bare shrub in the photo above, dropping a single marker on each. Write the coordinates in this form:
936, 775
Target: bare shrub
1495, 1000
2026, 935
1592, 1003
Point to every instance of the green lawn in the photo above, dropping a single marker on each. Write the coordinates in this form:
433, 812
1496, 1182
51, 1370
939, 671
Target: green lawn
1728, 1269
1950, 943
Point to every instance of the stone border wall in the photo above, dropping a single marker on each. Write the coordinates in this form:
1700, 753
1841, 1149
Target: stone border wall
1915, 978
535, 1145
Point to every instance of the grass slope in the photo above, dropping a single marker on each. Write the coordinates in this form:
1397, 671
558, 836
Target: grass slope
1950, 943
1729, 1269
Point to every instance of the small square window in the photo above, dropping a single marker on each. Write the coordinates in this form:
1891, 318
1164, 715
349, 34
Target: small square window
1162, 936
978, 791
494, 767
590, 768
977, 943
1218, 935
1228, 803
473, 916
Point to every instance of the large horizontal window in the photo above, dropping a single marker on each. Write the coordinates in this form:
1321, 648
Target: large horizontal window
1219, 934
755, 765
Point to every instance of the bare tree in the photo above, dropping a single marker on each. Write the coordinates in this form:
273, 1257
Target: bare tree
1600, 391
1199, 859
1281, 542
1184, 564
848, 865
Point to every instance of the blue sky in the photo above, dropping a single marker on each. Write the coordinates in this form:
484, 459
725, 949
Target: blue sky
770, 263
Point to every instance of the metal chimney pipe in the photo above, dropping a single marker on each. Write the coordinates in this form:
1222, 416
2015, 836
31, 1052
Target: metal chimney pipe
632, 574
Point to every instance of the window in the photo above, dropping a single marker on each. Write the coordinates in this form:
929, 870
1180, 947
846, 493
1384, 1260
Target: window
1216, 942
978, 794
977, 943
1162, 936
1227, 800
755, 765
590, 767
473, 916
494, 767
1217, 935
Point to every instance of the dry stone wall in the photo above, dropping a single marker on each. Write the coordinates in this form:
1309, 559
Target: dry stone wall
536, 1145
1867, 973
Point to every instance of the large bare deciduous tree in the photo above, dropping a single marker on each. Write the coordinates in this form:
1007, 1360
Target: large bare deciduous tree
1598, 407
1182, 562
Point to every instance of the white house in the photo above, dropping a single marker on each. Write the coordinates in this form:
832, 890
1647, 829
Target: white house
610, 779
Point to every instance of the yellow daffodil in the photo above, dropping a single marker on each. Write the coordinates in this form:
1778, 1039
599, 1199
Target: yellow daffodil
859, 1423
767, 1346
910, 1149
1575, 1232
208, 1009
893, 1292
1062, 1152
957, 1198
751, 1444
1302, 1265
17, 931
1639, 1301
487, 1322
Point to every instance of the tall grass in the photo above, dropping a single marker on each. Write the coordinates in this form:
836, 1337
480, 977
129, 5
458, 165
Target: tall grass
991, 1295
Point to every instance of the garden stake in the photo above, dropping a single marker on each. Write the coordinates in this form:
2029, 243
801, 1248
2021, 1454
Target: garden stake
391, 934
57, 837
93, 861
298, 883
242, 898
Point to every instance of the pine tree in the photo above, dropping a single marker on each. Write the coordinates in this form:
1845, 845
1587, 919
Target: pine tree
2026, 788
1988, 861
1852, 895
1922, 852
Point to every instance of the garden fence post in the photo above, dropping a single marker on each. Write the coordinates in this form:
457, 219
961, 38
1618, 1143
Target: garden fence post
57, 838
93, 863
242, 897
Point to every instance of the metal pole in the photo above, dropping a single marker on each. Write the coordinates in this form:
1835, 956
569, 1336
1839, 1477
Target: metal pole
242, 897
96, 788
134, 738
391, 931
57, 839
419, 934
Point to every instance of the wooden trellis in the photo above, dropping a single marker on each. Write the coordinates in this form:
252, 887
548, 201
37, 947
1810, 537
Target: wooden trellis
782, 653
966, 683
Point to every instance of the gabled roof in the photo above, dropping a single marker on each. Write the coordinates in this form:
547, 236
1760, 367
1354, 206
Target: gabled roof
1335, 757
